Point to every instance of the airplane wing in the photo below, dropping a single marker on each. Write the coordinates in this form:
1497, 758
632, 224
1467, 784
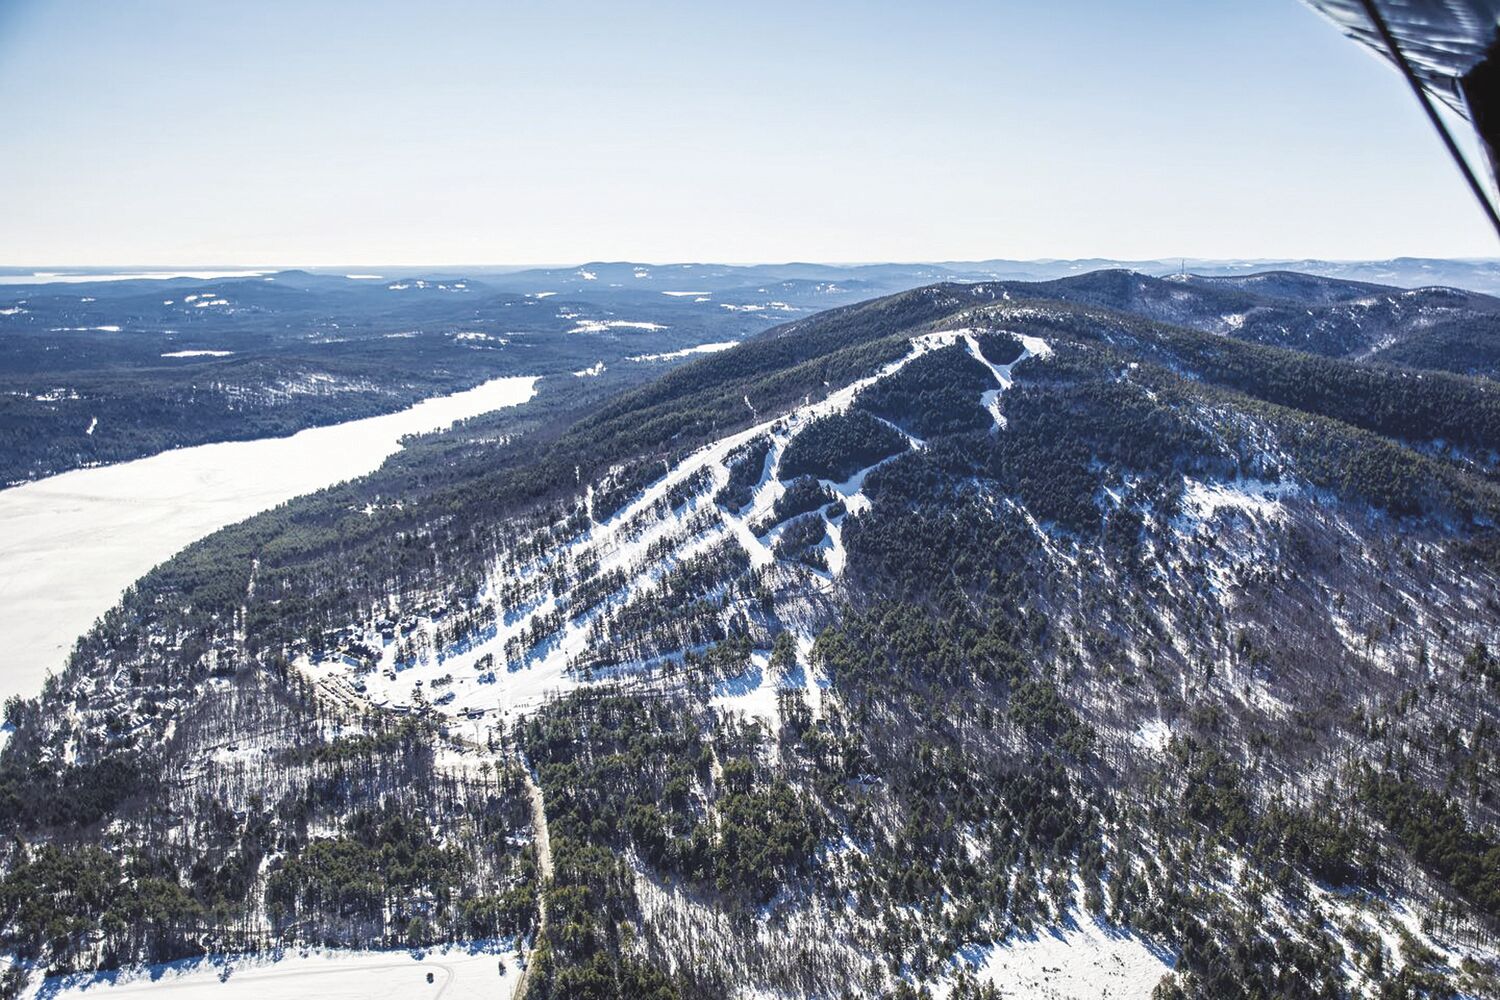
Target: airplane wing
1443, 40
1448, 51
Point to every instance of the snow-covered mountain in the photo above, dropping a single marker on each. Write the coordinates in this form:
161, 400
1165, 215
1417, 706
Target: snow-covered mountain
1106, 635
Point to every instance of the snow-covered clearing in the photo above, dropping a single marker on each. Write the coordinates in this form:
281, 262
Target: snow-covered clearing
756, 307
605, 325
722, 345
1254, 497
753, 693
72, 543
458, 973
198, 354
1153, 734
1080, 960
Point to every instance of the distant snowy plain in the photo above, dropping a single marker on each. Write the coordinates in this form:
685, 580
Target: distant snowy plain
468, 972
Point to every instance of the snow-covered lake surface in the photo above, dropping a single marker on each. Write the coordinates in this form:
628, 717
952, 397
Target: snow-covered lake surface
71, 544
457, 974
79, 277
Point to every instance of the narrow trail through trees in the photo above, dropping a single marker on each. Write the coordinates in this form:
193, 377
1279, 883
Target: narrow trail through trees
544, 870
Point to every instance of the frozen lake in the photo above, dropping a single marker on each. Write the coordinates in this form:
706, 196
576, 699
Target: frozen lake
458, 973
71, 544
81, 277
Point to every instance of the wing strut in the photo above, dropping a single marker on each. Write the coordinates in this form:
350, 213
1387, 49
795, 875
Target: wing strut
1372, 10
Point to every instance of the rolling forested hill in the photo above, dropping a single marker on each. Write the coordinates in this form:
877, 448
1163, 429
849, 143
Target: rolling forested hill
1110, 633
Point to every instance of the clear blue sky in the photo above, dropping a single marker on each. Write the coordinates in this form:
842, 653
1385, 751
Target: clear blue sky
183, 131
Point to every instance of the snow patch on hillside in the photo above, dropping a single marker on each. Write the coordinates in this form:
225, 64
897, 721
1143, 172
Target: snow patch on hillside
686, 351
1255, 497
1083, 959
753, 694
1152, 735
605, 325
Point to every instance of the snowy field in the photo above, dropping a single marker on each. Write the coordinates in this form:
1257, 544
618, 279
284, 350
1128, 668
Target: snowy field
72, 543
1082, 960
457, 974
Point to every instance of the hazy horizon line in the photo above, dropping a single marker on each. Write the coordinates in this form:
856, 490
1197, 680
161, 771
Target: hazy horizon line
57, 268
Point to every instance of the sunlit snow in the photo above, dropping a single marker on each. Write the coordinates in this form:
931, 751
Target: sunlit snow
686, 351
458, 973
73, 542
602, 325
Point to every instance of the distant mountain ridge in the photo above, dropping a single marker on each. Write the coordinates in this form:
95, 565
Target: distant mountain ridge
1430, 327
1479, 275
1474, 274
103, 371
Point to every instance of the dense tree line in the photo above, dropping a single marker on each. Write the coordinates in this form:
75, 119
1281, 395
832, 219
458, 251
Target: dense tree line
1470, 346
803, 495
837, 446
937, 393
747, 466
1434, 830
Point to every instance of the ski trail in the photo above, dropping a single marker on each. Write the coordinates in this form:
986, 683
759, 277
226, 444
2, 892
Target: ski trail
527, 656
544, 871
1031, 347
